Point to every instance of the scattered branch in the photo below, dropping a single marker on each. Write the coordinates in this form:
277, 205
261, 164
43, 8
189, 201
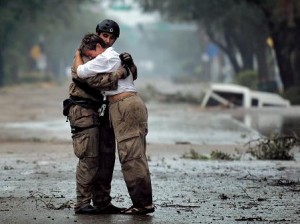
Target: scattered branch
47, 201
276, 147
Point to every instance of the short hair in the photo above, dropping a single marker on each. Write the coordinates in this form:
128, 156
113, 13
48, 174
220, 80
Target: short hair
89, 42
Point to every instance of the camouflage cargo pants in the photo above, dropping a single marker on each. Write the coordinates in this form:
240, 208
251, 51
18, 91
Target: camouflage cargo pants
95, 149
129, 118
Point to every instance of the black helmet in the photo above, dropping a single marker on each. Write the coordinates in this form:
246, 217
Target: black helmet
108, 26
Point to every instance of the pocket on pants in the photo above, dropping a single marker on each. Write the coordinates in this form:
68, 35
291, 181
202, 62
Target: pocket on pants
80, 144
129, 149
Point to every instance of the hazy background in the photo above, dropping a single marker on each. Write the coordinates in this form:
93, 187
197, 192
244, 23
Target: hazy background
179, 47
248, 42
39, 43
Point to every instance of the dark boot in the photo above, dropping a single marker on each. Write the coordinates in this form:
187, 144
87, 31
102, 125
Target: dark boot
109, 209
87, 210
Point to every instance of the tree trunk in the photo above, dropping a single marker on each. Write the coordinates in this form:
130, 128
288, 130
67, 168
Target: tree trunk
283, 45
229, 50
1, 69
246, 50
296, 66
261, 56
232, 58
247, 57
296, 54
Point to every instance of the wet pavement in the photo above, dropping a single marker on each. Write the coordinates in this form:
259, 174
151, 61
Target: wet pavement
173, 123
37, 166
38, 178
168, 123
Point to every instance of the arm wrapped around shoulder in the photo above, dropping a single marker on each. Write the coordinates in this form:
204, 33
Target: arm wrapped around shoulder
103, 81
127, 60
122, 72
133, 70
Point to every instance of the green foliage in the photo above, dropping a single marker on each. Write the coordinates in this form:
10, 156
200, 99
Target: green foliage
24, 24
194, 155
215, 155
232, 25
293, 94
248, 78
241, 27
276, 147
283, 18
218, 155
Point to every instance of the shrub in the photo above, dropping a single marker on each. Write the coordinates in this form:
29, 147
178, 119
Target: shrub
248, 78
293, 94
275, 147
215, 155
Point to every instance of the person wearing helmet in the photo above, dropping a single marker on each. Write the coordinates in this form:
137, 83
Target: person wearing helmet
109, 31
128, 115
93, 139
138, 184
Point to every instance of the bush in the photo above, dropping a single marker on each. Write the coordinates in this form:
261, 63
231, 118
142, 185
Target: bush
248, 78
217, 155
293, 94
194, 155
274, 148
214, 155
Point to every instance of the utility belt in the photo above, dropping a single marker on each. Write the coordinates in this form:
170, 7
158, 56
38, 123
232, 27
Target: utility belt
121, 96
86, 103
99, 106
76, 129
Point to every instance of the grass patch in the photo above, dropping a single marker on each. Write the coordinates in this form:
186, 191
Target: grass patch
276, 147
218, 155
194, 155
215, 155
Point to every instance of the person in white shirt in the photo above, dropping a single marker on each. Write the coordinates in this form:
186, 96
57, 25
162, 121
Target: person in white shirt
93, 137
129, 118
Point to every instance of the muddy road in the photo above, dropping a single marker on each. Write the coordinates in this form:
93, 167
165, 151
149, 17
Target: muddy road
37, 172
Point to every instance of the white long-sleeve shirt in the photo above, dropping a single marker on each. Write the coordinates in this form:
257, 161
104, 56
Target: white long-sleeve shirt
108, 61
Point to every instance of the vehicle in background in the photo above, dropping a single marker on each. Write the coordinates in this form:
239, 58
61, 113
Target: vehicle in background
232, 95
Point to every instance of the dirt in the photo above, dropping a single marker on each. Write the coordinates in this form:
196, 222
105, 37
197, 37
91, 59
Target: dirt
38, 176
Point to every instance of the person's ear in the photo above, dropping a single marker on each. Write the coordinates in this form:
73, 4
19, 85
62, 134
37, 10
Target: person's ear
98, 46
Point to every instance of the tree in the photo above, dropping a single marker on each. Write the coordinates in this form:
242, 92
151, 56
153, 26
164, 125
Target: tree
229, 23
242, 27
21, 21
283, 20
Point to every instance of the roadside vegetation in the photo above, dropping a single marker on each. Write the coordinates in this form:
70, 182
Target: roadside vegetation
214, 155
263, 33
275, 147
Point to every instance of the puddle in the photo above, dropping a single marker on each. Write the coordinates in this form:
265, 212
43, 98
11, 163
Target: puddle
177, 123
45, 163
267, 121
7, 188
200, 129
27, 172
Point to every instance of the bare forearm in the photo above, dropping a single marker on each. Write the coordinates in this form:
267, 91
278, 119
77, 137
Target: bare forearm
107, 81
133, 70
103, 81
77, 60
